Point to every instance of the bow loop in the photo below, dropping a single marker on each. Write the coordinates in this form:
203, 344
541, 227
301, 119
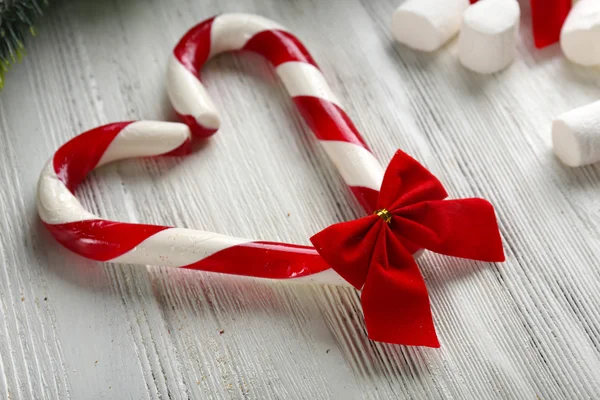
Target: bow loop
464, 228
407, 182
347, 247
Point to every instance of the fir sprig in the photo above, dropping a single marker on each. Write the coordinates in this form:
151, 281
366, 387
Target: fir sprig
16, 22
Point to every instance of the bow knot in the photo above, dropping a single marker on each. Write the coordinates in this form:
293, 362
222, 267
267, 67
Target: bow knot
375, 253
384, 215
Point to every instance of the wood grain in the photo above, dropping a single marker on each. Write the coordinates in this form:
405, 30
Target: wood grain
76, 329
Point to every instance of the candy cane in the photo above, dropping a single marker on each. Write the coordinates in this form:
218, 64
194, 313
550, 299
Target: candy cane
93, 237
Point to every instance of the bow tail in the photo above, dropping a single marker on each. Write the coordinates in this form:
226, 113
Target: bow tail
395, 300
407, 182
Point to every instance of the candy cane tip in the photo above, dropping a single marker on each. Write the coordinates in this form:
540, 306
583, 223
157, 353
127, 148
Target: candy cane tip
202, 126
210, 121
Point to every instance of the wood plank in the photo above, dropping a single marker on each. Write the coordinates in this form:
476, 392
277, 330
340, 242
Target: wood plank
71, 328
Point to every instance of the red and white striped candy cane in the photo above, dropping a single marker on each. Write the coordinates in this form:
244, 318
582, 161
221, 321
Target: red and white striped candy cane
93, 237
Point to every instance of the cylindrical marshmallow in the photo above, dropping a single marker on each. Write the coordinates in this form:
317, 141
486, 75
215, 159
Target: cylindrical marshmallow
580, 35
488, 36
427, 24
576, 135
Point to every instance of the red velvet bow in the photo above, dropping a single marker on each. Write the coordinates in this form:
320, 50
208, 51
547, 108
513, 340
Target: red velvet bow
374, 253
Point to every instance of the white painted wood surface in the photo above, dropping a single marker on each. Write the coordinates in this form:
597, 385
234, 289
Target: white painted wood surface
72, 328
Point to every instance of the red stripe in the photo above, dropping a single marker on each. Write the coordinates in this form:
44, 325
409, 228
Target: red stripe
328, 121
366, 197
279, 47
196, 129
76, 158
101, 240
193, 48
264, 260
548, 17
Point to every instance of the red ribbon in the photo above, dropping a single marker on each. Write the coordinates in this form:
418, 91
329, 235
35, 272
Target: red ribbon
548, 17
376, 256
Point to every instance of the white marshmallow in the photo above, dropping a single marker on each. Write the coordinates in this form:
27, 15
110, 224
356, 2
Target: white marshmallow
488, 37
580, 35
427, 24
576, 135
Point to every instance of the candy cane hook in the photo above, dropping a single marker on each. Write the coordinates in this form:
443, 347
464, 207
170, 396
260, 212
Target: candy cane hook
91, 236
301, 77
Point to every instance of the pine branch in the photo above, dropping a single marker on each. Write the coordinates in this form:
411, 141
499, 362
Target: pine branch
16, 22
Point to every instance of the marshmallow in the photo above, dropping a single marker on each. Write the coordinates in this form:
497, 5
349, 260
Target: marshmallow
427, 24
576, 135
580, 35
488, 36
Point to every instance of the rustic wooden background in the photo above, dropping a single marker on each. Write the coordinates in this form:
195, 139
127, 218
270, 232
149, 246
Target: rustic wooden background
71, 328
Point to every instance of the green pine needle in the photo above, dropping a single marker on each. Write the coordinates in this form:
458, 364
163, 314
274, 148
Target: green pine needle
16, 20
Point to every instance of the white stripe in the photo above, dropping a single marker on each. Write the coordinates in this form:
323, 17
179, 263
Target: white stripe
303, 79
178, 247
188, 95
144, 139
232, 31
357, 165
55, 203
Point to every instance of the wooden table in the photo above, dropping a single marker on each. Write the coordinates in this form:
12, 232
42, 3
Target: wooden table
72, 328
